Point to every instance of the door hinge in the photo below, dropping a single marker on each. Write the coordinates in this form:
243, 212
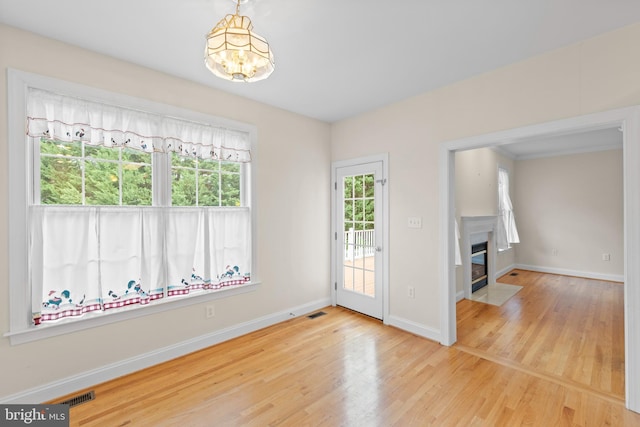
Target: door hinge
382, 181
335, 186
335, 237
335, 286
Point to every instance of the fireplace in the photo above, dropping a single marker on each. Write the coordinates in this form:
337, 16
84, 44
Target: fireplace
479, 264
478, 252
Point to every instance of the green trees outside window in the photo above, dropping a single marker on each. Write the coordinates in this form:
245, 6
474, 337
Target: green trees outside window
73, 173
359, 192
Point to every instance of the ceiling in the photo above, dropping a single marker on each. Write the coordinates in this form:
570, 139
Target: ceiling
563, 144
334, 58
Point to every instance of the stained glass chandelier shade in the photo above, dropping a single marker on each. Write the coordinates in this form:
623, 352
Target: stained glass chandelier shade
234, 52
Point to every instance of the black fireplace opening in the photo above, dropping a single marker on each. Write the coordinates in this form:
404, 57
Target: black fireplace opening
479, 272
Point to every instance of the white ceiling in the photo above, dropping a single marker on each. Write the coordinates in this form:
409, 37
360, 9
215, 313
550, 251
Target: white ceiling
557, 145
334, 58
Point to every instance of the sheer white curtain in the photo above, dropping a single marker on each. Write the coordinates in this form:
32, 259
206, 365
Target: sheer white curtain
507, 232
92, 259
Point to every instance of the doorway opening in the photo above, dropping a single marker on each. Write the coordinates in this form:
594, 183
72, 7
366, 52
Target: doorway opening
628, 120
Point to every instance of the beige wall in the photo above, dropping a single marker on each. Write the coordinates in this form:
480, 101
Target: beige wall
476, 192
293, 201
595, 75
573, 204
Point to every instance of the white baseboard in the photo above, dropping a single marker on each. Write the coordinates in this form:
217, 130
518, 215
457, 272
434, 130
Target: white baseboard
566, 272
96, 376
414, 328
459, 296
505, 270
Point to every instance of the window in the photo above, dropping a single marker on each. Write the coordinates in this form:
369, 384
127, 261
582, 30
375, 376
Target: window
121, 207
75, 173
507, 232
197, 182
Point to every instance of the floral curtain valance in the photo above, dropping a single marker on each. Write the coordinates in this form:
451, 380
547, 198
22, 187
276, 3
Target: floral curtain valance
50, 115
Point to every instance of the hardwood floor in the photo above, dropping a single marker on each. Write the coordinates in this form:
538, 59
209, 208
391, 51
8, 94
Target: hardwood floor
345, 369
567, 328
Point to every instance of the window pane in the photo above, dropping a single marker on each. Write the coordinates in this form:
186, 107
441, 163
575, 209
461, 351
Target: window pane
348, 210
136, 185
48, 146
348, 187
212, 165
230, 167
358, 186
348, 282
60, 181
183, 189
101, 152
369, 210
102, 185
358, 213
369, 188
135, 156
208, 189
230, 189
187, 162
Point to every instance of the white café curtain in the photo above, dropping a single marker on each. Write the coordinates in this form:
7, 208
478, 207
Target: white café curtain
87, 259
507, 232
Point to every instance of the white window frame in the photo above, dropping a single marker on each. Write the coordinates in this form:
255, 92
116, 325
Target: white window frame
22, 166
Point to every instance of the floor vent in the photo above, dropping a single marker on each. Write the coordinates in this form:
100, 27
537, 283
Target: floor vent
513, 274
318, 314
81, 398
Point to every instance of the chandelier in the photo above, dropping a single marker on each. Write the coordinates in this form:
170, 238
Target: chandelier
234, 52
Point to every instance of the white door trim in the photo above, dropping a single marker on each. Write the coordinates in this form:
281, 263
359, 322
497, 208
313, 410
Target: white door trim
629, 121
384, 158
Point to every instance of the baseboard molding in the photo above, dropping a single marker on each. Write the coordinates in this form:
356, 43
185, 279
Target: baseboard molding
414, 328
459, 296
505, 270
87, 379
567, 272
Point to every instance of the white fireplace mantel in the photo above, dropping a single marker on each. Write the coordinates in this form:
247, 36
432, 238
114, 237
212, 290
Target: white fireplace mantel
477, 229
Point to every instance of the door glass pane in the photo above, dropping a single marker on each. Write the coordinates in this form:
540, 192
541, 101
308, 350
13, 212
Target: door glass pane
359, 234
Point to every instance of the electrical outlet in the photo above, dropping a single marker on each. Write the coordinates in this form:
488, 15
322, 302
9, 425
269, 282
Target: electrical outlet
606, 257
411, 292
210, 311
414, 222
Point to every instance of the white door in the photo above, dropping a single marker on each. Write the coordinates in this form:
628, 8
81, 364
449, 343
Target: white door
359, 237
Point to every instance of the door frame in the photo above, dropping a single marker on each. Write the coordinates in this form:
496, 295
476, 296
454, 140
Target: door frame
628, 119
384, 158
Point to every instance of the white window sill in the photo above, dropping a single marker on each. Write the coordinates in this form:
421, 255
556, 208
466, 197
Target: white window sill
34, 333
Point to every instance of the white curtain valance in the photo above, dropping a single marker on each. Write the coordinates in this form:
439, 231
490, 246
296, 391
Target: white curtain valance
65, 118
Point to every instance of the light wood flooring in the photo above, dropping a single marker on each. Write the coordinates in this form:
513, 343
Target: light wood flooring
345, 369
567, 328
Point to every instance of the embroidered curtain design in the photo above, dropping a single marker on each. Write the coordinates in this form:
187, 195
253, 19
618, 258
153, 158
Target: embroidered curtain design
88, 259
70, 119
507, 232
